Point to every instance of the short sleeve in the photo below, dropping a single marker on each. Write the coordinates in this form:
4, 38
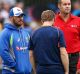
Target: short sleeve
61, 39
31, 44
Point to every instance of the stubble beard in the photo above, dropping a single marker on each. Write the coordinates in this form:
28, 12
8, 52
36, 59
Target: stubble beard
16, 24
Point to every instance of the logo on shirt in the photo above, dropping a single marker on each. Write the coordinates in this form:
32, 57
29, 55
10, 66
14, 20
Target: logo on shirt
21, 48
18, 40
74, 26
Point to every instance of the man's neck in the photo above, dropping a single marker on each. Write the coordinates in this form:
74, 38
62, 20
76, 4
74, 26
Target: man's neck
65, 17
47, 24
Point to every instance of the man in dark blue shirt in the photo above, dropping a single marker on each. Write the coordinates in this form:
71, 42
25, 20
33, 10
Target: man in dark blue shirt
47, 48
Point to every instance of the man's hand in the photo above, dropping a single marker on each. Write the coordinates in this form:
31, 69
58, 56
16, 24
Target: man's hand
78, 71
66, 73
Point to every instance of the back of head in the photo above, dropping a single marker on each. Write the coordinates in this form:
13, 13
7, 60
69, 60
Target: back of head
47, 15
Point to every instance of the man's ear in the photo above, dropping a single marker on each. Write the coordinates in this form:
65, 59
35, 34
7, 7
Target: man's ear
11, 18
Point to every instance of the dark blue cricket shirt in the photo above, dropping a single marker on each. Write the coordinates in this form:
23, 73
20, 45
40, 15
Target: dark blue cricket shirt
44, 43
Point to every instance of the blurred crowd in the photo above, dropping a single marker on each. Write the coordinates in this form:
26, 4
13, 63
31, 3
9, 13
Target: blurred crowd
32, 13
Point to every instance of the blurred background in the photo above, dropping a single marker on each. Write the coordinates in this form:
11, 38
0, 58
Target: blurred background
33, 10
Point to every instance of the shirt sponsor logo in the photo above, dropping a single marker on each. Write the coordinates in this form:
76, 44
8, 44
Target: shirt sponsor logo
21, 48
74, 26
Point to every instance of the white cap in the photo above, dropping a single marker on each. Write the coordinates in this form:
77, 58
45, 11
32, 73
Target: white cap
16, 11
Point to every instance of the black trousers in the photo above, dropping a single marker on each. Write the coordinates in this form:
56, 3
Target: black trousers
73, 60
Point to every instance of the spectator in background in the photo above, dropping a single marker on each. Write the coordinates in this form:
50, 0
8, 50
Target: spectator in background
70, 25
20, 5
76, 8
5, 12
11, 2
14, 42
50, 59
1, 22
36, 15
53, 7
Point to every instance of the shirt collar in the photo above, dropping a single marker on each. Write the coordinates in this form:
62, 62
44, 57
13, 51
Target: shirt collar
71, 16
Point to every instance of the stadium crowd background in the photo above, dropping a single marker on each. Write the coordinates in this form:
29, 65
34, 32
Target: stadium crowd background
33, 10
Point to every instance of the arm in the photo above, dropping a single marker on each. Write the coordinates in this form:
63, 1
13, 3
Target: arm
78, 64
4, 50
78, 67
64, 59
32, 60
31, 55
63, 53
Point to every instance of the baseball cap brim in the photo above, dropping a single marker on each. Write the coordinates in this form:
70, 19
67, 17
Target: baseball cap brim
21, 14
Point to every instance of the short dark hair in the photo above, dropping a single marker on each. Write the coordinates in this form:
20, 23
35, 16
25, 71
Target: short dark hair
59, 1
47, 15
